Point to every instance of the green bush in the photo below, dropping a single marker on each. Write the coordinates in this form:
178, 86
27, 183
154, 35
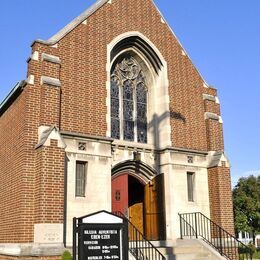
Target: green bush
250, 249
66, 255
257, 254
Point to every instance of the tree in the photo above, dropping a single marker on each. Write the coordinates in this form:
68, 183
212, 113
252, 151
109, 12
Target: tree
246, 199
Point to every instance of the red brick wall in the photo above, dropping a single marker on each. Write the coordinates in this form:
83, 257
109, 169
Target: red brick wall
220, 196
214, 135
214, 128
212, 106
17, 170
11, 168
50, 105
49, 192
83, 75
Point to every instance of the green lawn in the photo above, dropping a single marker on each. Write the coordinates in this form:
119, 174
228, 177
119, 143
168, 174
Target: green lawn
256, 255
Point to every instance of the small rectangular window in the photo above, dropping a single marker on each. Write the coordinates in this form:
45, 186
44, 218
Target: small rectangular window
190, 185
81, 171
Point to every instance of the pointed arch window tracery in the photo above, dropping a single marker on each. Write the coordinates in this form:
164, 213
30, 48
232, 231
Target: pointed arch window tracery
128, 101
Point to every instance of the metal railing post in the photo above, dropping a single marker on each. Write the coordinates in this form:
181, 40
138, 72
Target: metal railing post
74, 252
196, 226
220, 242
180, 226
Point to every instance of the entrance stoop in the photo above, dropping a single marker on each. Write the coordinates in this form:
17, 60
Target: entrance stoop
190, 249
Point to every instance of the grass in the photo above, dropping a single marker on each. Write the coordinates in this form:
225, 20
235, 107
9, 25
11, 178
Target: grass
256, 255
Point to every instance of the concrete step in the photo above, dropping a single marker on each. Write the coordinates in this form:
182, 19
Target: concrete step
188, 249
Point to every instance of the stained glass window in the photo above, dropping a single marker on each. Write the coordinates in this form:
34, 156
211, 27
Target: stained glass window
128, 101
115, 117
128, 110
141, 105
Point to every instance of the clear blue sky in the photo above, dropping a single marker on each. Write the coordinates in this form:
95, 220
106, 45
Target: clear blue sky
221, 37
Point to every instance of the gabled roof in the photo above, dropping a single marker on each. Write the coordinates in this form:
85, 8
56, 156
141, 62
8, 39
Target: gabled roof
88, 12
14, 93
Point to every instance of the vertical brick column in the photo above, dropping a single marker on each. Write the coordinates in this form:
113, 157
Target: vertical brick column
213, 121
50, 89
220, 197
214, 135
50, 105
49, 193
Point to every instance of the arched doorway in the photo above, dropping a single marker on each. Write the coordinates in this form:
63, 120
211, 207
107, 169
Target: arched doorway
139, 195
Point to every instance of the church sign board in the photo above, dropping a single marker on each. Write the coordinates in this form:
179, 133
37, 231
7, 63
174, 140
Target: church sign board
100, 236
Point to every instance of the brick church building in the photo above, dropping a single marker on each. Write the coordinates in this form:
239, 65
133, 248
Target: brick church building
112, 116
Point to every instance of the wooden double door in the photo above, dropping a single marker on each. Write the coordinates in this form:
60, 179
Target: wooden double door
142, 203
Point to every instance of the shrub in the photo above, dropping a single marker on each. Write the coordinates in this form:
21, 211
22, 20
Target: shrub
66, 255
250, 249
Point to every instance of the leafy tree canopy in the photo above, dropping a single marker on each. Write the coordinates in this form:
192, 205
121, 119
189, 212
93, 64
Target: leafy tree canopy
246, 199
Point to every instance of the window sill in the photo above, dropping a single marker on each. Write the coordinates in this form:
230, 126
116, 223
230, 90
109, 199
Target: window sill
133, 144
80, 197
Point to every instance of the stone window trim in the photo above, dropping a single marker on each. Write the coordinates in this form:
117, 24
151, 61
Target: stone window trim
213, 116
51, 58
211, 98
50, 81
155, 67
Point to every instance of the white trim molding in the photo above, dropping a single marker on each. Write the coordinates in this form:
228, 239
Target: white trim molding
50, 81
30, 80
50, 58
213, 116
35, 55
158, 99
211, 98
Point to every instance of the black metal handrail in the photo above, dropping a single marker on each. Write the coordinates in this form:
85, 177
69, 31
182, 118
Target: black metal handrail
198, 225
140, 248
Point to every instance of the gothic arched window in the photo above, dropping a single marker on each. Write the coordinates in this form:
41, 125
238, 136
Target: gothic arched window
128, 101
